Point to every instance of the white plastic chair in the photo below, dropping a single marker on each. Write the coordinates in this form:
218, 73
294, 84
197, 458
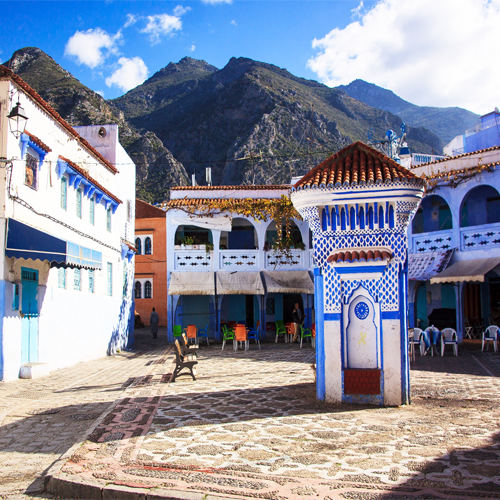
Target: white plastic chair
490, 334
449, 337
413, 340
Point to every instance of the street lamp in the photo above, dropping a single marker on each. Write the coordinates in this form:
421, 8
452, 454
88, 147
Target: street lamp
17, 120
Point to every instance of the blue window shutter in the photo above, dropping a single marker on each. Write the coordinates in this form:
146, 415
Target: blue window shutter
77, 279
108, 219
15, 298
79, 203
92, 210
91, 280
64, 192
110, 278
61, 277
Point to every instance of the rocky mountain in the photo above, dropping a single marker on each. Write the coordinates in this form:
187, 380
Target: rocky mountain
157, 169
446, 123
249, 122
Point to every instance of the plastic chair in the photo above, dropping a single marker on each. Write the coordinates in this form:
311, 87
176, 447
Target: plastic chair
240, 336
434, 338
414, 340
253, 334
203, 333
280, 330
227, 334
191, 333
304, 333
490, 334
290, 331
313, 338
449, 337
177, 331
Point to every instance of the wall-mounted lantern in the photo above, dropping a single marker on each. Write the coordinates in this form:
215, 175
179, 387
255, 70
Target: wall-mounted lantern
17, 120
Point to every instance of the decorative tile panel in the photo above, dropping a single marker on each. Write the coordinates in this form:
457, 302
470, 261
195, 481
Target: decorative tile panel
192, 260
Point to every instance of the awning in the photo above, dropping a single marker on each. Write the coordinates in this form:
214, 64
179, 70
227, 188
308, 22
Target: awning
239, 283
220, 223
192, 284
26, 242
466, 270
423, 266
289, 282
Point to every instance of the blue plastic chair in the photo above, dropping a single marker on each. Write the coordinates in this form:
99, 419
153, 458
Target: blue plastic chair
203, 333
254, 334
430, 339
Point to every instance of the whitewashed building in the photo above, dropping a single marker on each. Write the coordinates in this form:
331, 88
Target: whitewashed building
66, 216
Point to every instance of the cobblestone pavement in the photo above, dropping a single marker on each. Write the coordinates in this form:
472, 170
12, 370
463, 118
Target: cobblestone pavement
250, 427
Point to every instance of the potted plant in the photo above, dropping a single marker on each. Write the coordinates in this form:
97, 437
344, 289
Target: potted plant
188, 242
300, 246
208, 247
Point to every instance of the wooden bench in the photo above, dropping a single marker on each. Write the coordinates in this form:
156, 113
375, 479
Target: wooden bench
181, 362
188, 349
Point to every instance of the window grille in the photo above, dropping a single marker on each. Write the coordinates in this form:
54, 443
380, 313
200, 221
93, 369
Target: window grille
147, 246
110, 278
92, 210
138, 290
29, 275
30, 178
138, 245
64, 192
61, 277
108, 219
147, 290
77, 276
79, 203
91, 280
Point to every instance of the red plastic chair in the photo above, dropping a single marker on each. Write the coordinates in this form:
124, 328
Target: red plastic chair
191, 333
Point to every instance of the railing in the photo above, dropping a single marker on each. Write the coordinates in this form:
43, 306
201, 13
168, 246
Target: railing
279, 262
432, 242
417, 159
239, 260
480, 237
192, 260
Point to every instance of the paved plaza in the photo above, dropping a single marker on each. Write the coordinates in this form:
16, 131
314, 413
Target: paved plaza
248, 427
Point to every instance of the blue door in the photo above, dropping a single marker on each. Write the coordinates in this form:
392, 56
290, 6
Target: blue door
29, 321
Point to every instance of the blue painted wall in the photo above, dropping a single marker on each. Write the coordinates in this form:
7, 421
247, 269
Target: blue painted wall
2, 315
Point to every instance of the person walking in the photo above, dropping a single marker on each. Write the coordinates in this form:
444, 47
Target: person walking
297, 320
153, 321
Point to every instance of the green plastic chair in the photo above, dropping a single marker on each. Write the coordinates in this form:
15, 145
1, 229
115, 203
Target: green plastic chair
227, 334
280, 329
177, 331
304, 333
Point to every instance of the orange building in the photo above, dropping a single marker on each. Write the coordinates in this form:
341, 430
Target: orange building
150, 283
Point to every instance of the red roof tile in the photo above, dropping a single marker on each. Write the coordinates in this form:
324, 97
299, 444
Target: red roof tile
85, 174
448, 158
356, 164
144, 210
359, 256
229, 188
6, 73
38, 142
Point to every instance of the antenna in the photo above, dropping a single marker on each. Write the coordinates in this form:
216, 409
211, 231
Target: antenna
193, 180
208, 175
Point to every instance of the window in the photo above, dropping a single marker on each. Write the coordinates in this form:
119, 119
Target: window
138, 245
109, 269
108, 219
138, 290
91, 280
64, 192
30, 177
79, 203
92, 210
147, 290
15, 297
147, 246
77, 277
61, 277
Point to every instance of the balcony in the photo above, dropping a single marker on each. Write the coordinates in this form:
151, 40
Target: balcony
482, 237
432, 242
239, 260
192, 260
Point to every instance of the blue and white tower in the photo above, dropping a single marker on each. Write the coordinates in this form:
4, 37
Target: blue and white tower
359, 203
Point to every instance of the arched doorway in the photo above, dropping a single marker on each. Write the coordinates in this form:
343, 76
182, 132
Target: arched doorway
295, 236
241, 237
434, 214
481, 205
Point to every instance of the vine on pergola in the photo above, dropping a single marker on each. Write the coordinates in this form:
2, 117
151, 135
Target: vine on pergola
279, 210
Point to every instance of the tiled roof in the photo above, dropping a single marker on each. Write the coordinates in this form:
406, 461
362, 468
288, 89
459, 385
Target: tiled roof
85, 174
451, 174
229, 188
6, 73
38, 142
493, 148
361, 256
144, 210
357, 164
194, 202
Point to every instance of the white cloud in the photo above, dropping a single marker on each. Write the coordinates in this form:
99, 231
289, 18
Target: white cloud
434, 53
234, 23
161, 25
100, 92
180, 10
132, 72
215, 2
192, 48
131, 19
356, 12
91, 47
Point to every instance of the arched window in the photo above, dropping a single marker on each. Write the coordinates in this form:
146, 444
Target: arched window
380, 217
391, 216
323, 220
138, 245
434, 214
481, 205
147, 290
147, 246
361, 218
137, 290
334, 219
352, 216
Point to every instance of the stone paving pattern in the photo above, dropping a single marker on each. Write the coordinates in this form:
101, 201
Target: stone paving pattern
250, 427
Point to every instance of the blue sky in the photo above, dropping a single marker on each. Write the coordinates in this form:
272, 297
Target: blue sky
428, 52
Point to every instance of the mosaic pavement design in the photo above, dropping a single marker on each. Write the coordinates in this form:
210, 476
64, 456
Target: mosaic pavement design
250, 427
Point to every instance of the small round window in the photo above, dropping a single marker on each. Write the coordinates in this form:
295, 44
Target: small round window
102, 132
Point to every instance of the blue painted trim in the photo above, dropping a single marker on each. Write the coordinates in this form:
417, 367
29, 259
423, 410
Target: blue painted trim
2, 315
403, 307
26, 141
391, 315
331, 316
351, 193
320, 334
360, 269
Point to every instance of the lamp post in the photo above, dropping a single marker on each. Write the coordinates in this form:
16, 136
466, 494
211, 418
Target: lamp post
17, 120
